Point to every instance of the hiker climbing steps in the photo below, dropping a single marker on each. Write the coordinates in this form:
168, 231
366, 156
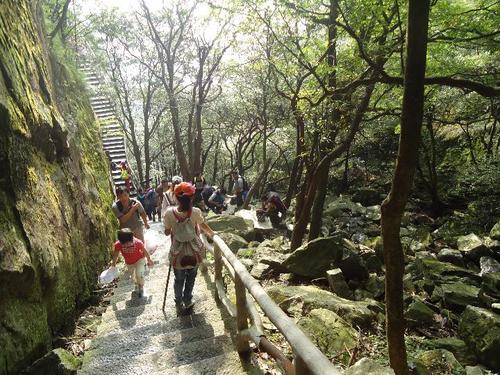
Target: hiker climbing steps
113, 139
136, 337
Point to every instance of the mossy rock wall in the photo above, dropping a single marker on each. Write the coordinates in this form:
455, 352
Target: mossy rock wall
55, 223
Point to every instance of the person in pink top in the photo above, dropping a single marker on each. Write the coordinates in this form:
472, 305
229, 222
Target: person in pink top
135, 255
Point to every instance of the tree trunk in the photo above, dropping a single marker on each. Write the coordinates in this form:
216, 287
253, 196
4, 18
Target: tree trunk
394, 204
319, 202
255, 186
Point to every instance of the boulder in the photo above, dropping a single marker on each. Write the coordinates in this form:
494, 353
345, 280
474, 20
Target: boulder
373, 213
488, 265
480, 329
472, 247
251, 216
234, 241
458, 347
495, 231
451, 256
491, 284
475, 370
440, 361
367, 366
232, 224
259, 270
316, 257
375, 285
456, 295
56, 362
328, 331
376, 244
367, 196
337, 283
305, 298
436, 271
370, 258
419, 314
493, 245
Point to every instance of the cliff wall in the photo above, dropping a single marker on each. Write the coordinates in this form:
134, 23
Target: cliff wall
55, 225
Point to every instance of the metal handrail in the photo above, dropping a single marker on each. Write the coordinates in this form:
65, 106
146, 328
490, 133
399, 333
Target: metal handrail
308, 358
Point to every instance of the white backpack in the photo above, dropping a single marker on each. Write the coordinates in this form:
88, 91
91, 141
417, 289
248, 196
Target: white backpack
187, 248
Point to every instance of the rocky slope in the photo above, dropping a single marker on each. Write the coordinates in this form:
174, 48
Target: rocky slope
54, 190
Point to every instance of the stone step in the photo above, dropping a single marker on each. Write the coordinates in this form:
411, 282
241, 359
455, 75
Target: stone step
100, 101
225, 364
111, 139
182, 354
115, 146
151, 304
170, 321
102, 105
136, 342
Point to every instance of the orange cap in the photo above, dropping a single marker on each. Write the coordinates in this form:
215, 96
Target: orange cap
184, 188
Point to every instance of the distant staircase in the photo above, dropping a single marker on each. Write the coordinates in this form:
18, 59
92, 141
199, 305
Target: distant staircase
112, 135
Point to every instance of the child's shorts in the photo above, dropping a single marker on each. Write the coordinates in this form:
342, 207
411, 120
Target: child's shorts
137, 270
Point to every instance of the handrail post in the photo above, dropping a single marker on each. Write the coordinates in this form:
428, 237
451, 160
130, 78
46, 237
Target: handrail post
242, 315
300, 366
217, 267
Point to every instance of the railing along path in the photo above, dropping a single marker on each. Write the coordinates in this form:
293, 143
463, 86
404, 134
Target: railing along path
308, 358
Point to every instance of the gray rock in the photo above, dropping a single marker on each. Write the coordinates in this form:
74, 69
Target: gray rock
456, 295
302, 299
234, 241
480, 329
367, 366
451, 256
418, 314
495, 231
337, 283
493, 245
458, 347
474, 370
375, 285
322, 254
328, 331
488, 265
472, 247
259, 270
440, 361
56, 362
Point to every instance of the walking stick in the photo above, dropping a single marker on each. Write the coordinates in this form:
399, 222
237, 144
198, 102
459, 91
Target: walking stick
166, 288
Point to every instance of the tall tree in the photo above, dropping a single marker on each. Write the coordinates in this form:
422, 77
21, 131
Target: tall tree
393, 206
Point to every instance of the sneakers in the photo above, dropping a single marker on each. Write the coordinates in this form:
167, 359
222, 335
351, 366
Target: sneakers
140, 292
188, 305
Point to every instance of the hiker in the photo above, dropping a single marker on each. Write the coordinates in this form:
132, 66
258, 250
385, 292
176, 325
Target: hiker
169, 199
206, 193
160, 191
125, 174
186, 252
199, 184
216, 202
240, 188
135, 256
141, 197
151, 204
129, 211
273, 207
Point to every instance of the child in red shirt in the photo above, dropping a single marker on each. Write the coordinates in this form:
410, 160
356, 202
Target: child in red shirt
135, 255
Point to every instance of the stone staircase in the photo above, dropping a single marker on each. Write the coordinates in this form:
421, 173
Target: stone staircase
137, 337
112, 136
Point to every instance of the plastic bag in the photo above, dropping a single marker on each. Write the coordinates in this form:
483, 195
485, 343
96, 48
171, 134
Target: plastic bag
151, 241
108, 275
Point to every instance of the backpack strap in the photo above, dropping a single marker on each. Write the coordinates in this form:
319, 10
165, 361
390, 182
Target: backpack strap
165, 195
180, 219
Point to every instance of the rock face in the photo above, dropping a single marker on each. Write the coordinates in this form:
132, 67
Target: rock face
440, 361
322, 254
55, 195
472, 247
480, 329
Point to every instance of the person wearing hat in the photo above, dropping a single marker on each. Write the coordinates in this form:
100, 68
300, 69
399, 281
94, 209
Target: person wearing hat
184, 222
